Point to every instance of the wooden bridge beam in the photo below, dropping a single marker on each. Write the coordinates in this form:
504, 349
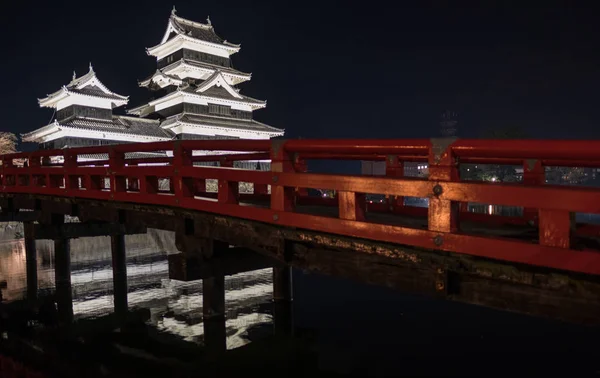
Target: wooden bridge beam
20, 216
82, 230
185, 267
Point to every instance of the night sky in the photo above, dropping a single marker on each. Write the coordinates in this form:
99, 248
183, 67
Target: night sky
330, 69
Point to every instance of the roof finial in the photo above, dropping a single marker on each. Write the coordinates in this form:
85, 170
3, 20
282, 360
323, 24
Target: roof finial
91, 68
173, 11
74, 75
208, 20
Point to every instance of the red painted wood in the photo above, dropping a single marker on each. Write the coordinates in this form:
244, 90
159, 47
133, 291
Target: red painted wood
282, 194
555, 228
199, 185
351, 206
443, 212
394, 168
181, 186
574, 199
288, 176
228, 189
533, 174
300, 166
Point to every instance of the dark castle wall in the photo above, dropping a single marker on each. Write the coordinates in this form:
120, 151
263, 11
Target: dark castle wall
203, 109
76, 142
194, 56
84, 112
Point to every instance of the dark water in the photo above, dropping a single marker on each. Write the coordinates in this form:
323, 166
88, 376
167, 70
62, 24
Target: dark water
353, 328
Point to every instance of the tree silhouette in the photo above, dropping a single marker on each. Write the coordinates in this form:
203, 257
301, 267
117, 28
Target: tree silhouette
8, 143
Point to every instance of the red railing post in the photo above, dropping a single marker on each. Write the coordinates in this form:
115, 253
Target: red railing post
228, 191
442, 214
533, 174
133, 181
182, 186
70, 170
23, 175
116, 162
282, 198
149, 185
37, 180
260, 188
352, 206
394, 167
555, 227
300, 166
96, 182
200, 185
171, 185
55, 180
7, 179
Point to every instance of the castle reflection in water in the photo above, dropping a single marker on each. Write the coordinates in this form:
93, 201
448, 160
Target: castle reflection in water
175, 306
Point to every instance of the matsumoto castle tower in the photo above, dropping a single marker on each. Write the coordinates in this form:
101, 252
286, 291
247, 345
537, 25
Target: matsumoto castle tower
196, 98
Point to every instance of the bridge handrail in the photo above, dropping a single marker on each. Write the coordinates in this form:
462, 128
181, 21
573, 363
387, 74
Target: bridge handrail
548, 207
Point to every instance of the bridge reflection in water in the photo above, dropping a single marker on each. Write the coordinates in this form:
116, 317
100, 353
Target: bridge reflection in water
347, 315
175, 306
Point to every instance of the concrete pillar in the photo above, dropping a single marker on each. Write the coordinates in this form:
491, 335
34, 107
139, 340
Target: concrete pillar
119, 266
282, 301
62, 277
213, 308
31, 260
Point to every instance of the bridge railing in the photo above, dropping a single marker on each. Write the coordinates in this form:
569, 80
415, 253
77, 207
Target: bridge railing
548, 208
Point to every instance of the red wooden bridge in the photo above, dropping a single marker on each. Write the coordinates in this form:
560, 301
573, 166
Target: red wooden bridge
545, 237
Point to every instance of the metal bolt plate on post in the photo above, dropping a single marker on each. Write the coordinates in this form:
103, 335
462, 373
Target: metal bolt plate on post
439, 146
531, 164
276, 145
438, 240
439, 286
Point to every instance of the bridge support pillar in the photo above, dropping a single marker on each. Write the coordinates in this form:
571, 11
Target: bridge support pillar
119, 261
62, 278
31, 260
282, 301
213, 310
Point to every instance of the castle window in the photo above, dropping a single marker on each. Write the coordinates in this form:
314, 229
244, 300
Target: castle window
224, 110
219, 109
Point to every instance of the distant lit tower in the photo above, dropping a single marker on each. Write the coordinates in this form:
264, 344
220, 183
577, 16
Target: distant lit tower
448, 123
